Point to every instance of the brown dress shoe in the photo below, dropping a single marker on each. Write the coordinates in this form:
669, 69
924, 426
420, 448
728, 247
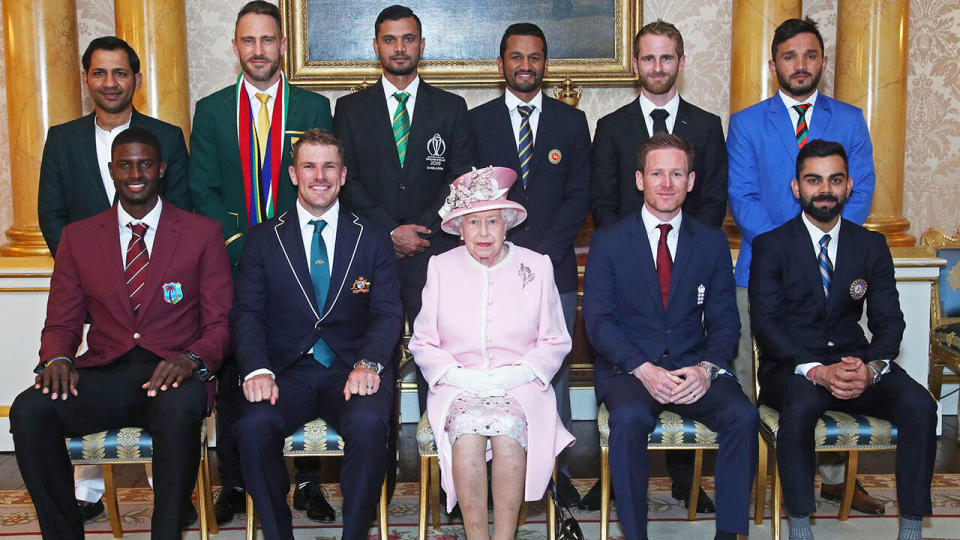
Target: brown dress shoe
862, 501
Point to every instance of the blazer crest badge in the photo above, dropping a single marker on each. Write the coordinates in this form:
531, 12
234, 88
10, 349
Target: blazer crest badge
360, 285
172, 292
858, 289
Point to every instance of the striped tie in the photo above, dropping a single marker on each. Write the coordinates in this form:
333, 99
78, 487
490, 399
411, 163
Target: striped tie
826, 267
525, 146
401, 124
801, 123
136, 268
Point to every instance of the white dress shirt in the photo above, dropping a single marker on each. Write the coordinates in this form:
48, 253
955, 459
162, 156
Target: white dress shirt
252, 92
671, 107
389, 89
650, 223
104, 140
513, 102
789, 102
151, 220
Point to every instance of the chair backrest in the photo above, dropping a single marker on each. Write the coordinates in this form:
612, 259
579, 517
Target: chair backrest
945, 303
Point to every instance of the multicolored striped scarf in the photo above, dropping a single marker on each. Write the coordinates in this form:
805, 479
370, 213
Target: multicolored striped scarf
260, 183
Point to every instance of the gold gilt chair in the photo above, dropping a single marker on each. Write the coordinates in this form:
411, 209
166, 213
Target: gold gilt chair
944, 311
835, 432
134, 445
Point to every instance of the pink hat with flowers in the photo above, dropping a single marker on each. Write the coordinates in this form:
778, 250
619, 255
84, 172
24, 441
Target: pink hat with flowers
479, 190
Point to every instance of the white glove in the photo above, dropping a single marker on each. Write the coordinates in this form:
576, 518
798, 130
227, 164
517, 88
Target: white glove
507, 377
475, 381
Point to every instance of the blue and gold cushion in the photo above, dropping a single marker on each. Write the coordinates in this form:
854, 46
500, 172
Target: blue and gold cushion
948, 336
124, 445
315, 438
672, 431
426, 443
950, 283
840, 431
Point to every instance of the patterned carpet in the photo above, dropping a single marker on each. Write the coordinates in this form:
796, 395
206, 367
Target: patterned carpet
667, 516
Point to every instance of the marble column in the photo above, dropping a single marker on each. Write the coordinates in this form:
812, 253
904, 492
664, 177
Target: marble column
871, 73
43, 89
157, 30
754, 22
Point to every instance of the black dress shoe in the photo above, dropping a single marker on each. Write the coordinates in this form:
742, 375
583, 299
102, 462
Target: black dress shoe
90, 510
312, 499
568, 495
681, 492
230, 502
591, 501
189, 517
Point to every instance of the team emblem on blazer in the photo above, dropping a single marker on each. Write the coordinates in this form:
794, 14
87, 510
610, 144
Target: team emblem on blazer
436, 148
858, 289
526, 275
172, 292
554, 156
360, 285
701, 292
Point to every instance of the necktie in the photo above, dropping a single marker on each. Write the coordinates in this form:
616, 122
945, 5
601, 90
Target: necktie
826, 267
136, 268
525, 146
801, 123
664, 262
320, 276
659, 120
263, 126
401, 124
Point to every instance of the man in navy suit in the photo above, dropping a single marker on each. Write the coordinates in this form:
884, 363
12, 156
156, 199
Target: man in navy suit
660, 310
810, 278
315, 321
547, 143
763, 144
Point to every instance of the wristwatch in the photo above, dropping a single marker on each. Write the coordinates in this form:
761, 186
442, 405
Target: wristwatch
200, 369
375, 366
712, 371
877, 370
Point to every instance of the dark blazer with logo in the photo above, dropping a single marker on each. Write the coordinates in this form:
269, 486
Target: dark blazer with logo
216, 179
557, 196
792, 320
618, 139
275, 317
71, 187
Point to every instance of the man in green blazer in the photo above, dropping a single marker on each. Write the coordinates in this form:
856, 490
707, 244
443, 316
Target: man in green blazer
74, 181
241, 142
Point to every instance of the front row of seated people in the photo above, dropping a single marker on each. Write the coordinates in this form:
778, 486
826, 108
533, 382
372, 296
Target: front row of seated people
315, 315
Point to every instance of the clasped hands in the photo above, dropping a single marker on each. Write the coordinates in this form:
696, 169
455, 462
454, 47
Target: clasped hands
680, 386
489, 382
361, 381
407, 240
846, 379
59, 378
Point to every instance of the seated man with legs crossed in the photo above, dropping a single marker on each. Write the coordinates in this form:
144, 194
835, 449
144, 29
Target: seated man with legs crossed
661, 312
315, 322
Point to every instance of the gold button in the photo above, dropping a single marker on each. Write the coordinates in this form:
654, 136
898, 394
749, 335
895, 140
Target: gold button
136, 335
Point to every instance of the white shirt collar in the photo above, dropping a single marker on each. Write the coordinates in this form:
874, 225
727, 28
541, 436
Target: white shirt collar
252, 90
151, 220
513, 101
330, 216
816, 233
650, 221
389, 89
671, 106
789, 102
115, 130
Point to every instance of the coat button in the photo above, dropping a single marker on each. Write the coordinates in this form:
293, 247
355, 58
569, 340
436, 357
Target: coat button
403, 187
490, 301
136, 335
829, 344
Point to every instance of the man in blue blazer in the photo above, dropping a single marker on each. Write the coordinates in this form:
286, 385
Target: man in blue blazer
810, 280
660, 310
547, 143
316, 316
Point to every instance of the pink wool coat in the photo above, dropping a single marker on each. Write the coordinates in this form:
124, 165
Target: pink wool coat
482, 318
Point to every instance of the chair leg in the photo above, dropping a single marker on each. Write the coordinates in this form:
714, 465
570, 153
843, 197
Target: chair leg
110, 500
212, 526
422, 509
435, 491
695, 484
202, 503
604, 492
251, 519
552, 510
760, 492
935, 377
521, 514
776, 498
849, 485
383, 524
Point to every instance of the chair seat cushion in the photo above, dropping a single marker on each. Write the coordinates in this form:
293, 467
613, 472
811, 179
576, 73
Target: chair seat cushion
672, 431
315, 438
948, 336
839, 431
123, 445
426, 443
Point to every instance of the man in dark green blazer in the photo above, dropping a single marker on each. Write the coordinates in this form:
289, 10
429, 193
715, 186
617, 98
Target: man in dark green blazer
74, 181
242, 146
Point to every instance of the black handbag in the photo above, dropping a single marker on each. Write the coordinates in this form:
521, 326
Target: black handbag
566, 525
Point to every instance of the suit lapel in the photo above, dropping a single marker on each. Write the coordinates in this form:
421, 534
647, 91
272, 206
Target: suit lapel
645, 262
681, 125
422, 118
504, 130
88, 154
349, 231
681, 259
843, 266
542, 139
822, 114
109, 240
287, 230
807, 261
380, 124
164, 247
636, 114
779, 122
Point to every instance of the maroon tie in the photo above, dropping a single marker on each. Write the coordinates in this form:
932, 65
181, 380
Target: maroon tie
664, 262
137, 261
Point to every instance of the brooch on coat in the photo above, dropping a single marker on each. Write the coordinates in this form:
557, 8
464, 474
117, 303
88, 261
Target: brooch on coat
858, 289
526, 275
361, 285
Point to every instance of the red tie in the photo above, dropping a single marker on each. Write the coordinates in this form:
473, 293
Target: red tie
664, 262
137, 261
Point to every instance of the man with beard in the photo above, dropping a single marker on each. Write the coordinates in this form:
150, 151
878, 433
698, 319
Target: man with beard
810, 279
763, 143
75, 182
547, 143
404, 142
658, 61
241, 143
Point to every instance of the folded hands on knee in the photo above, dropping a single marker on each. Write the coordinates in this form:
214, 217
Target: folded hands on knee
681, 386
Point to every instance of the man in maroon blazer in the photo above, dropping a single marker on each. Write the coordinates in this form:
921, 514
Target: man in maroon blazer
155, 283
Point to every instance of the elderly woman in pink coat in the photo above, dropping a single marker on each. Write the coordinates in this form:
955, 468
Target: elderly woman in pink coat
489, 338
